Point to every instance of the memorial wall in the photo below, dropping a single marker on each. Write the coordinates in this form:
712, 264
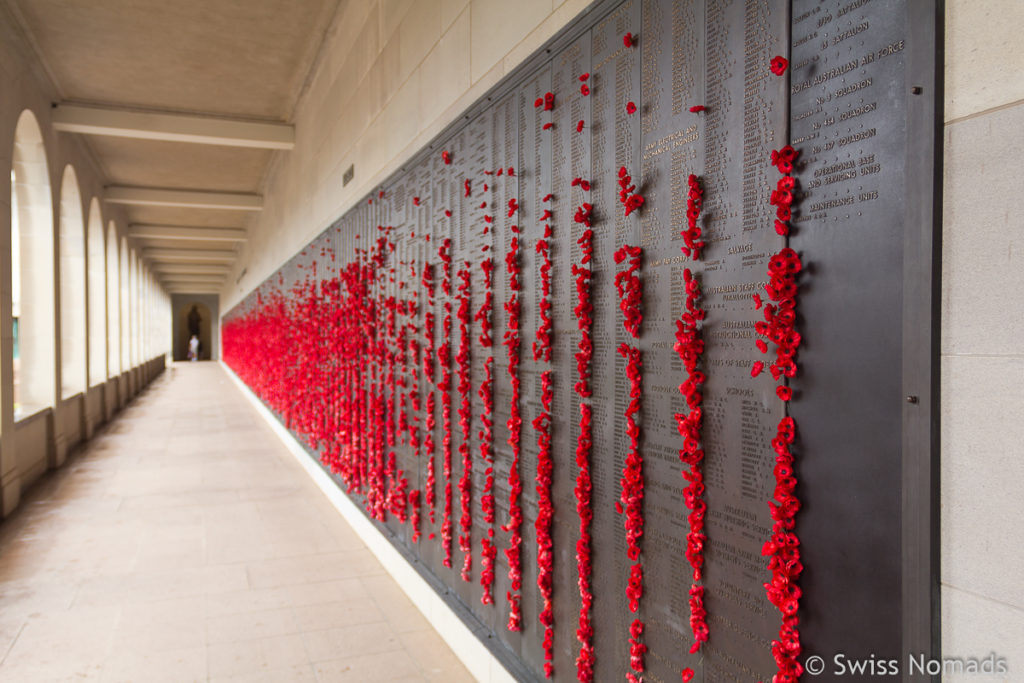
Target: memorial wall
620, 361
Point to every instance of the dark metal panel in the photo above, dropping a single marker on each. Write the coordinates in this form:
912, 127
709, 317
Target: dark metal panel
614, 141
534, 171
868, 341
868, 313
672, 43
922, 288
570, 158
743, 122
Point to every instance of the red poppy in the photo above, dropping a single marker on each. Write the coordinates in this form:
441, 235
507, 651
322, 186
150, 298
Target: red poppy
784, 392
779, 64
630, 108
697, 108
687, 675
584, 90
628, 41
579, 126
446, 157
585, 76
416, 201
547, 125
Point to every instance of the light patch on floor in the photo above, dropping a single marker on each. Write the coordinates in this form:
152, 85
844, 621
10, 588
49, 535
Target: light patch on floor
184, 543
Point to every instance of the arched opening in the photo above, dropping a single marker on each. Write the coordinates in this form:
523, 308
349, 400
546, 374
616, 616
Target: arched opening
134, 316
32, 270
73, 331
97, 264
143, 311
125, 309
194, 317
113, 337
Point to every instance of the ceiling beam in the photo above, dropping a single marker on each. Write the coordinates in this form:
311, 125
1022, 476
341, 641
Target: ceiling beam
192, 277
182, 232
193, 286
149, 196
207, 130
221, 256
192, 289
193, 268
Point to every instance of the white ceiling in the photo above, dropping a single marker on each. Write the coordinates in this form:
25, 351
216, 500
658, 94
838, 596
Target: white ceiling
210, 65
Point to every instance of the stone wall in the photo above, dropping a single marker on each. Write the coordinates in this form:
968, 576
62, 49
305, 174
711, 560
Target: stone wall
982, 332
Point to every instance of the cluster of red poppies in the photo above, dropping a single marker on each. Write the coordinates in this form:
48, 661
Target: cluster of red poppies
316, 358
583, 311
630, 198
783, 550
779, 328
583, 215
486, 393
629, 288
429, 447
462, 360
778, 65
414, 505
779, 324
445, 387
782, 196
411, 367
548, 102
690, 347
512, 344
630, 503
581, 183
545, 460
693, 244
636, 651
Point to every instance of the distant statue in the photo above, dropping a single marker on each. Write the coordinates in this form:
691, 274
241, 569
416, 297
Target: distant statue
193, 321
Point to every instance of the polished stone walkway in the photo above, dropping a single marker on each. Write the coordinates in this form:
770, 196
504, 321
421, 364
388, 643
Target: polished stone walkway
184, 543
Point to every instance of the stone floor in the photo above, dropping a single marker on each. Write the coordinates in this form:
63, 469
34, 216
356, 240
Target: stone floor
184, 543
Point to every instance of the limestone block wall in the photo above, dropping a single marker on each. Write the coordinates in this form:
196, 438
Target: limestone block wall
983, 333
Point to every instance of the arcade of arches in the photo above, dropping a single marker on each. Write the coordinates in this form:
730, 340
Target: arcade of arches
59, 388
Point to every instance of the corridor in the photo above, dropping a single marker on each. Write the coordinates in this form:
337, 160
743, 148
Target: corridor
184, 543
